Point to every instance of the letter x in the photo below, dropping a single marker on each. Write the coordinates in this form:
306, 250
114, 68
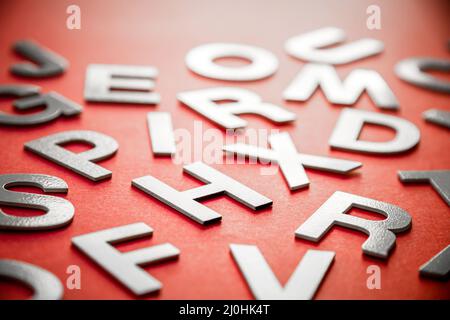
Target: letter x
291, 162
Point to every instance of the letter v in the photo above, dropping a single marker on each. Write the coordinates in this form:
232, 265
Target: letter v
302, 285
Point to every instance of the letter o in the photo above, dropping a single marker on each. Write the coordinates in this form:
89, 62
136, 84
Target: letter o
201, 61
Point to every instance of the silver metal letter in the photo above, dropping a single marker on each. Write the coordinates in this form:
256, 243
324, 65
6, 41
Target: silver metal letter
18, 90
46, 285
291, 163
439, 117
161, 133
302, 285
217, 183
82, 163
439, 180
124, 266
347, 92
334, 212
121, 84
244, 102
59, 211
55, 106
413, 70
45, 62
201, 60
438, 266
308, 47
351, 122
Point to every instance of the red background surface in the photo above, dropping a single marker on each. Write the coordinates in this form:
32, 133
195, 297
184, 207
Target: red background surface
160, 34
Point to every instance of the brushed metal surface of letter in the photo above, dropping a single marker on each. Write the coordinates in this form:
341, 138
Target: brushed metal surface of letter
437, 267
185, 201
303, 283
45, 62
45, 285
82, 163
243, 102
161, 133
311, 47
439, 180
121, 84
125, 266
346, 92
201, 60
334, 212
351, 121
292, 170
55, 105
439, 117
18, 90
291, 163
413, 70
59, 212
